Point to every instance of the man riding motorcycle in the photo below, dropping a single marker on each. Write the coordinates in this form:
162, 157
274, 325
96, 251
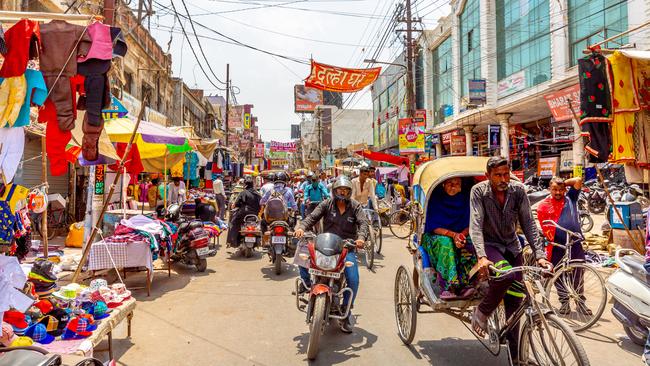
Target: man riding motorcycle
281, 187
344, 217
268, 184
314, 193
247, 203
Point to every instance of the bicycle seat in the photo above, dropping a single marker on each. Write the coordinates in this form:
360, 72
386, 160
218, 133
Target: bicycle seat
634, 266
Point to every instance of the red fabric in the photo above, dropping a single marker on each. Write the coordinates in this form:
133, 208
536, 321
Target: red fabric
133, 163
339, 79
549, 209
19, 38
208, 184
56, 140
77, 86
387, 158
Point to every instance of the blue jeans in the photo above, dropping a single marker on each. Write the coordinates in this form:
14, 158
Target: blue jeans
351, 275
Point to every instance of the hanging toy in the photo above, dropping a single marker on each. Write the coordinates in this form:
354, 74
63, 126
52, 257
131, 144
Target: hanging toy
37, 201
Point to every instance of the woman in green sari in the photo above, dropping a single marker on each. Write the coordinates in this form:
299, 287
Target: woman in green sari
446, 239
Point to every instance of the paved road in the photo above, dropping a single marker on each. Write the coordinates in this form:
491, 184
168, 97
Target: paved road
240, 313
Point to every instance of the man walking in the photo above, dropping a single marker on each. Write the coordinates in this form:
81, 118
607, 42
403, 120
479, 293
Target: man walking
562, 207
220, 195
496, 206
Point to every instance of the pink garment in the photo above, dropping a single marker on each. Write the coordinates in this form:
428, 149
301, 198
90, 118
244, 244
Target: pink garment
102, 44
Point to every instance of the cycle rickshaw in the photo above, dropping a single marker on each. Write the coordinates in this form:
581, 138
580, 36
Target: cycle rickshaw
544, 339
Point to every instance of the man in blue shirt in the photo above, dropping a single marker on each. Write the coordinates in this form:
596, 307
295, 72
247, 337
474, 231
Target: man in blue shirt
280, 186
314, 193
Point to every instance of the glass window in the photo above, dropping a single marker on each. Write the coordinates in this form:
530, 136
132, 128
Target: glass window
383, 101
375, 108
443, 93
470, 47
523, 40
591, 21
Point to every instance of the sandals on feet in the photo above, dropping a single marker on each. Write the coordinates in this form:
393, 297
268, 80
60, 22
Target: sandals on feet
479, 322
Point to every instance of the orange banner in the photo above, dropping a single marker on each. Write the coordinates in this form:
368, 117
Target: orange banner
339, 79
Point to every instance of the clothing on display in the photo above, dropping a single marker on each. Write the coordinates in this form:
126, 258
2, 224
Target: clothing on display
624, 103
642, 139
595, 97
12, 146
623, 138
12, 97
35, 93
3, 44
23, 41
190, 167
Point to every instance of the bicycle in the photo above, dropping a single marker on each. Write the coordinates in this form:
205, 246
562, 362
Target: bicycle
374, 221
57, 219
544, 339
572, 279
404, 222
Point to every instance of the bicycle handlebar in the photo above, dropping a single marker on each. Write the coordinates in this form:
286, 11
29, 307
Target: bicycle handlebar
520, 269
558, 226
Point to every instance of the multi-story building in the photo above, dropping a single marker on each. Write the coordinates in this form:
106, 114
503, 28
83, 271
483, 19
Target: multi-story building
524, 51
192, 108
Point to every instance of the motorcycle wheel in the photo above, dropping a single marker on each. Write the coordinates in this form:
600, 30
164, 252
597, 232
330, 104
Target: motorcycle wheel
202, 265
586, 222
317, 325
596, 207
635, 336
277, 264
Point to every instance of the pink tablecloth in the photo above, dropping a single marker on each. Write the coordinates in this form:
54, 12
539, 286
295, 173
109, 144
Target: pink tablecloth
124, 255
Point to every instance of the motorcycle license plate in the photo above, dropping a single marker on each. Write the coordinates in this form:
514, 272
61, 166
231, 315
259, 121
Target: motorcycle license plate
250, 239
278, 240
318, 272
202, 251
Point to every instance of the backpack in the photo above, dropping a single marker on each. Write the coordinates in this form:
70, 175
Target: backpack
276, 208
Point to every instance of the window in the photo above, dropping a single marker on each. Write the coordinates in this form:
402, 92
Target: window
470, 50
443, 93
384, 101
128, 82
392, 95
523, 40
375, 107
419, 82
591, 21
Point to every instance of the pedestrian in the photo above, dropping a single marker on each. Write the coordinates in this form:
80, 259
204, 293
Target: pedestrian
176, 191
403, 178
153, 194
561, 207
220, 195
363, 189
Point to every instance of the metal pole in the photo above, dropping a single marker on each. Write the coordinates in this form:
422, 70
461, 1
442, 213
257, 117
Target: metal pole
227, 100
44, 179
109, 9
93, 233
409, 62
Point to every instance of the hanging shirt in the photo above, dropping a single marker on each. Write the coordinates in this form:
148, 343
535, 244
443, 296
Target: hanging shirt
12, 146
22, 39
12, 98
35, 93
595, 97
101, 47
13, 194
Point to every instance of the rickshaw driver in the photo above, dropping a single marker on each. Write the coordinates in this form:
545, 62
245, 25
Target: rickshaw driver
496, 205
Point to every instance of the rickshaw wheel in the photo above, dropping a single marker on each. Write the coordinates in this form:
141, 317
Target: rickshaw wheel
405, 305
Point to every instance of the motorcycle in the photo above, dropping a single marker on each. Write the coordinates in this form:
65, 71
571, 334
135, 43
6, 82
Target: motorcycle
630, 288
323, 302
250, 235
281, 244
193, 245
596, 200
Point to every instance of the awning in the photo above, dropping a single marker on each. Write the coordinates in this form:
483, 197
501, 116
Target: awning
383, 157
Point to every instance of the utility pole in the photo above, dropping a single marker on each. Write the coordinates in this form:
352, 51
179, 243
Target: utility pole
410, 90
109, 10
227, 99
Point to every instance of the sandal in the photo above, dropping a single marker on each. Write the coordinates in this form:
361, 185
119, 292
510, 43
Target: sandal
479, 322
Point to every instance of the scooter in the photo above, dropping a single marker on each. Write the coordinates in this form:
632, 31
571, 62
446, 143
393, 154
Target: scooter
326, 257
193, 245
250, 235
630, 288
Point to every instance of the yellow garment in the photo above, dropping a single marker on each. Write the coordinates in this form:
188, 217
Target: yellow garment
12, 97
22, 342
19, 194
623, 84
177, 169
623, 138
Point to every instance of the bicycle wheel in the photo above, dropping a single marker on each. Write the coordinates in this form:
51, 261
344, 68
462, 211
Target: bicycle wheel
406, 314
557, 345
379, 235
400, 224
586, 223
370, 249
577, 294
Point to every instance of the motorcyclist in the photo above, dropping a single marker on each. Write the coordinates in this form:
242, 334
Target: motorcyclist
314, 193
281, 187
247, 203
268, 185
344, 217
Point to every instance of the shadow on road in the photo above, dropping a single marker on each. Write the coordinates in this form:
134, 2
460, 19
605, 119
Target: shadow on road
456, 351
335, 346
289, 272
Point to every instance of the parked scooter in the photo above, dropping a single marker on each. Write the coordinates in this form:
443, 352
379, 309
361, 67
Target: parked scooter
193, 245
323, 302
630, 288
250, 235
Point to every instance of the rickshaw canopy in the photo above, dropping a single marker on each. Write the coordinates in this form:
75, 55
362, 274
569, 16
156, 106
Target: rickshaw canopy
430, 174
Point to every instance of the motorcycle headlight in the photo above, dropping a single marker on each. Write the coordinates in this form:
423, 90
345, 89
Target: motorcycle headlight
326, 262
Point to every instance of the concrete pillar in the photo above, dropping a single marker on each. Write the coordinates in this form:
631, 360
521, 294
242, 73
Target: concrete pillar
578, 145
439, 150
504, 122
455, 61
469, 143
488, 41
558, 22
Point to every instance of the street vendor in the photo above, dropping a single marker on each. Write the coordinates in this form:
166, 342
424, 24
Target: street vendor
176, 191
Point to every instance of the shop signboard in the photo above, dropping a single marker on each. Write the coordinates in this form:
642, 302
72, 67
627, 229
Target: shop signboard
563, 134
566, 161
247, 121
411, 135
511, 84
100, 175
458, 145
306, 99
446, 138
277, 154
494, 136
283, 146
279, 163
477, 91
435, 138
235, 116
328, 161
547, 167
259, 150
558, 103
115, 110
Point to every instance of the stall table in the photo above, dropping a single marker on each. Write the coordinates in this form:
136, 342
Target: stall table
137, 254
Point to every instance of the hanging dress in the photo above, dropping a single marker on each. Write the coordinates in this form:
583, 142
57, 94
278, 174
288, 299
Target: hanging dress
625, 103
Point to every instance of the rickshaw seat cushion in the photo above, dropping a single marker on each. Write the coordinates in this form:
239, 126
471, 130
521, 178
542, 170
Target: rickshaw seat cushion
426, 262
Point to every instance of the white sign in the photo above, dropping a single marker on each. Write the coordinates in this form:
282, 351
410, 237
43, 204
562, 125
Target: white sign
566, 161
511, 84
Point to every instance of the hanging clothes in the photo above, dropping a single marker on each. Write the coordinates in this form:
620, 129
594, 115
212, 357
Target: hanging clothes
12, 146
35, 93
119, 44
190, 167
177, 169
625, 103
595, 106
12, 97
62, 44
23, 40
3, 43
642, 139
133, 162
